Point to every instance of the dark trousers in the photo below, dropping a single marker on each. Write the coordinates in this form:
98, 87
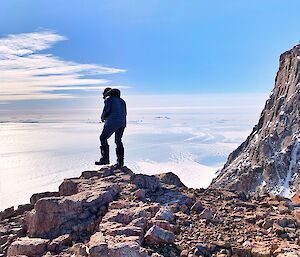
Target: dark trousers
107, 133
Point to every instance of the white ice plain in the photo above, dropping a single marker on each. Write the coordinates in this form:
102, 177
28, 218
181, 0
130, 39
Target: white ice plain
193, 141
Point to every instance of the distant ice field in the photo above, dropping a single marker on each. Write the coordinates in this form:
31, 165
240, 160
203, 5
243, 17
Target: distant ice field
36, 154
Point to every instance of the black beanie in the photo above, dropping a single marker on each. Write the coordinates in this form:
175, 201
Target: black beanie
105, 92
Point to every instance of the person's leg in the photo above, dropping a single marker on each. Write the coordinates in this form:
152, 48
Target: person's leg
104, 148
120, 147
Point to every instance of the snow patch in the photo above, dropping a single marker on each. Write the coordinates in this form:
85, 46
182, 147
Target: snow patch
285, 189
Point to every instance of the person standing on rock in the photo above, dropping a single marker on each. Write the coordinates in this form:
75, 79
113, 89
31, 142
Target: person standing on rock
114, 118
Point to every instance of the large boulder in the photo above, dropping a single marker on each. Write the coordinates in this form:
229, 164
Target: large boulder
54, 216
170, 178
69, 187
146, 182
28, 247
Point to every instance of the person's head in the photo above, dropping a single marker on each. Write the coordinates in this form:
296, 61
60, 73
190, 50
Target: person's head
114, 92
106, 92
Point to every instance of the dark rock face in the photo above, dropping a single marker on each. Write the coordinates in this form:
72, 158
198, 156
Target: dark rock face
269, 158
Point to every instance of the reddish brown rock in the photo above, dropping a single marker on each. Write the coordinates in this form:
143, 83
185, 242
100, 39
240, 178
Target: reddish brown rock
158, 236
35, 197
140, 194
295, 198
165, 214
7, 213
60, 242
261, 251
197, 207
146, 182
28, 246
206, 214
129, 249
79, 250
51, 213
165, 225
170, 178
98, 246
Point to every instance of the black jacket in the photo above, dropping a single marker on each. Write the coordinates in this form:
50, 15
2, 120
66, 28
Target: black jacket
114, 112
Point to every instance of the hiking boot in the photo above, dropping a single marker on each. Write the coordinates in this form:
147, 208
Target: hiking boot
120, 157
104, 160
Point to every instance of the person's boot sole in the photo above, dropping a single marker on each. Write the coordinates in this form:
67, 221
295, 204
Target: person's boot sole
100, 163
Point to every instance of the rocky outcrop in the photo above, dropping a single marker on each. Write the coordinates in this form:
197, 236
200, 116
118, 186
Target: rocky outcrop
269, 159
53, 216
100, 214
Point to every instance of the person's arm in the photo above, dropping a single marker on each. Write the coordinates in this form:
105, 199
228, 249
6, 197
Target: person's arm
106, 109
125, 107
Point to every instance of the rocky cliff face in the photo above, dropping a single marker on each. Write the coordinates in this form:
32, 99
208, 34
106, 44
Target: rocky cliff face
269, 159
116, 213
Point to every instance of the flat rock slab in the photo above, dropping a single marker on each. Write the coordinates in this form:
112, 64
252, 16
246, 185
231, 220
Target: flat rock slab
28, 247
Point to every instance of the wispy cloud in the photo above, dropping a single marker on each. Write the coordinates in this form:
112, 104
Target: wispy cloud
27, 74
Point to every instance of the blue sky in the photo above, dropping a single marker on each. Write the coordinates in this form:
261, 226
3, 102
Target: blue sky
160, 47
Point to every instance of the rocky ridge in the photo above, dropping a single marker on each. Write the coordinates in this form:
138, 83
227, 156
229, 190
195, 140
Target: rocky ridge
269, 159
116, 213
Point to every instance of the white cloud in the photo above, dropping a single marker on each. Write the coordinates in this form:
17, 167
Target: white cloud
27, 74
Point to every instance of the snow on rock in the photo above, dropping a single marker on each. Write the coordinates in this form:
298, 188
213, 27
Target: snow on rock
285, 188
